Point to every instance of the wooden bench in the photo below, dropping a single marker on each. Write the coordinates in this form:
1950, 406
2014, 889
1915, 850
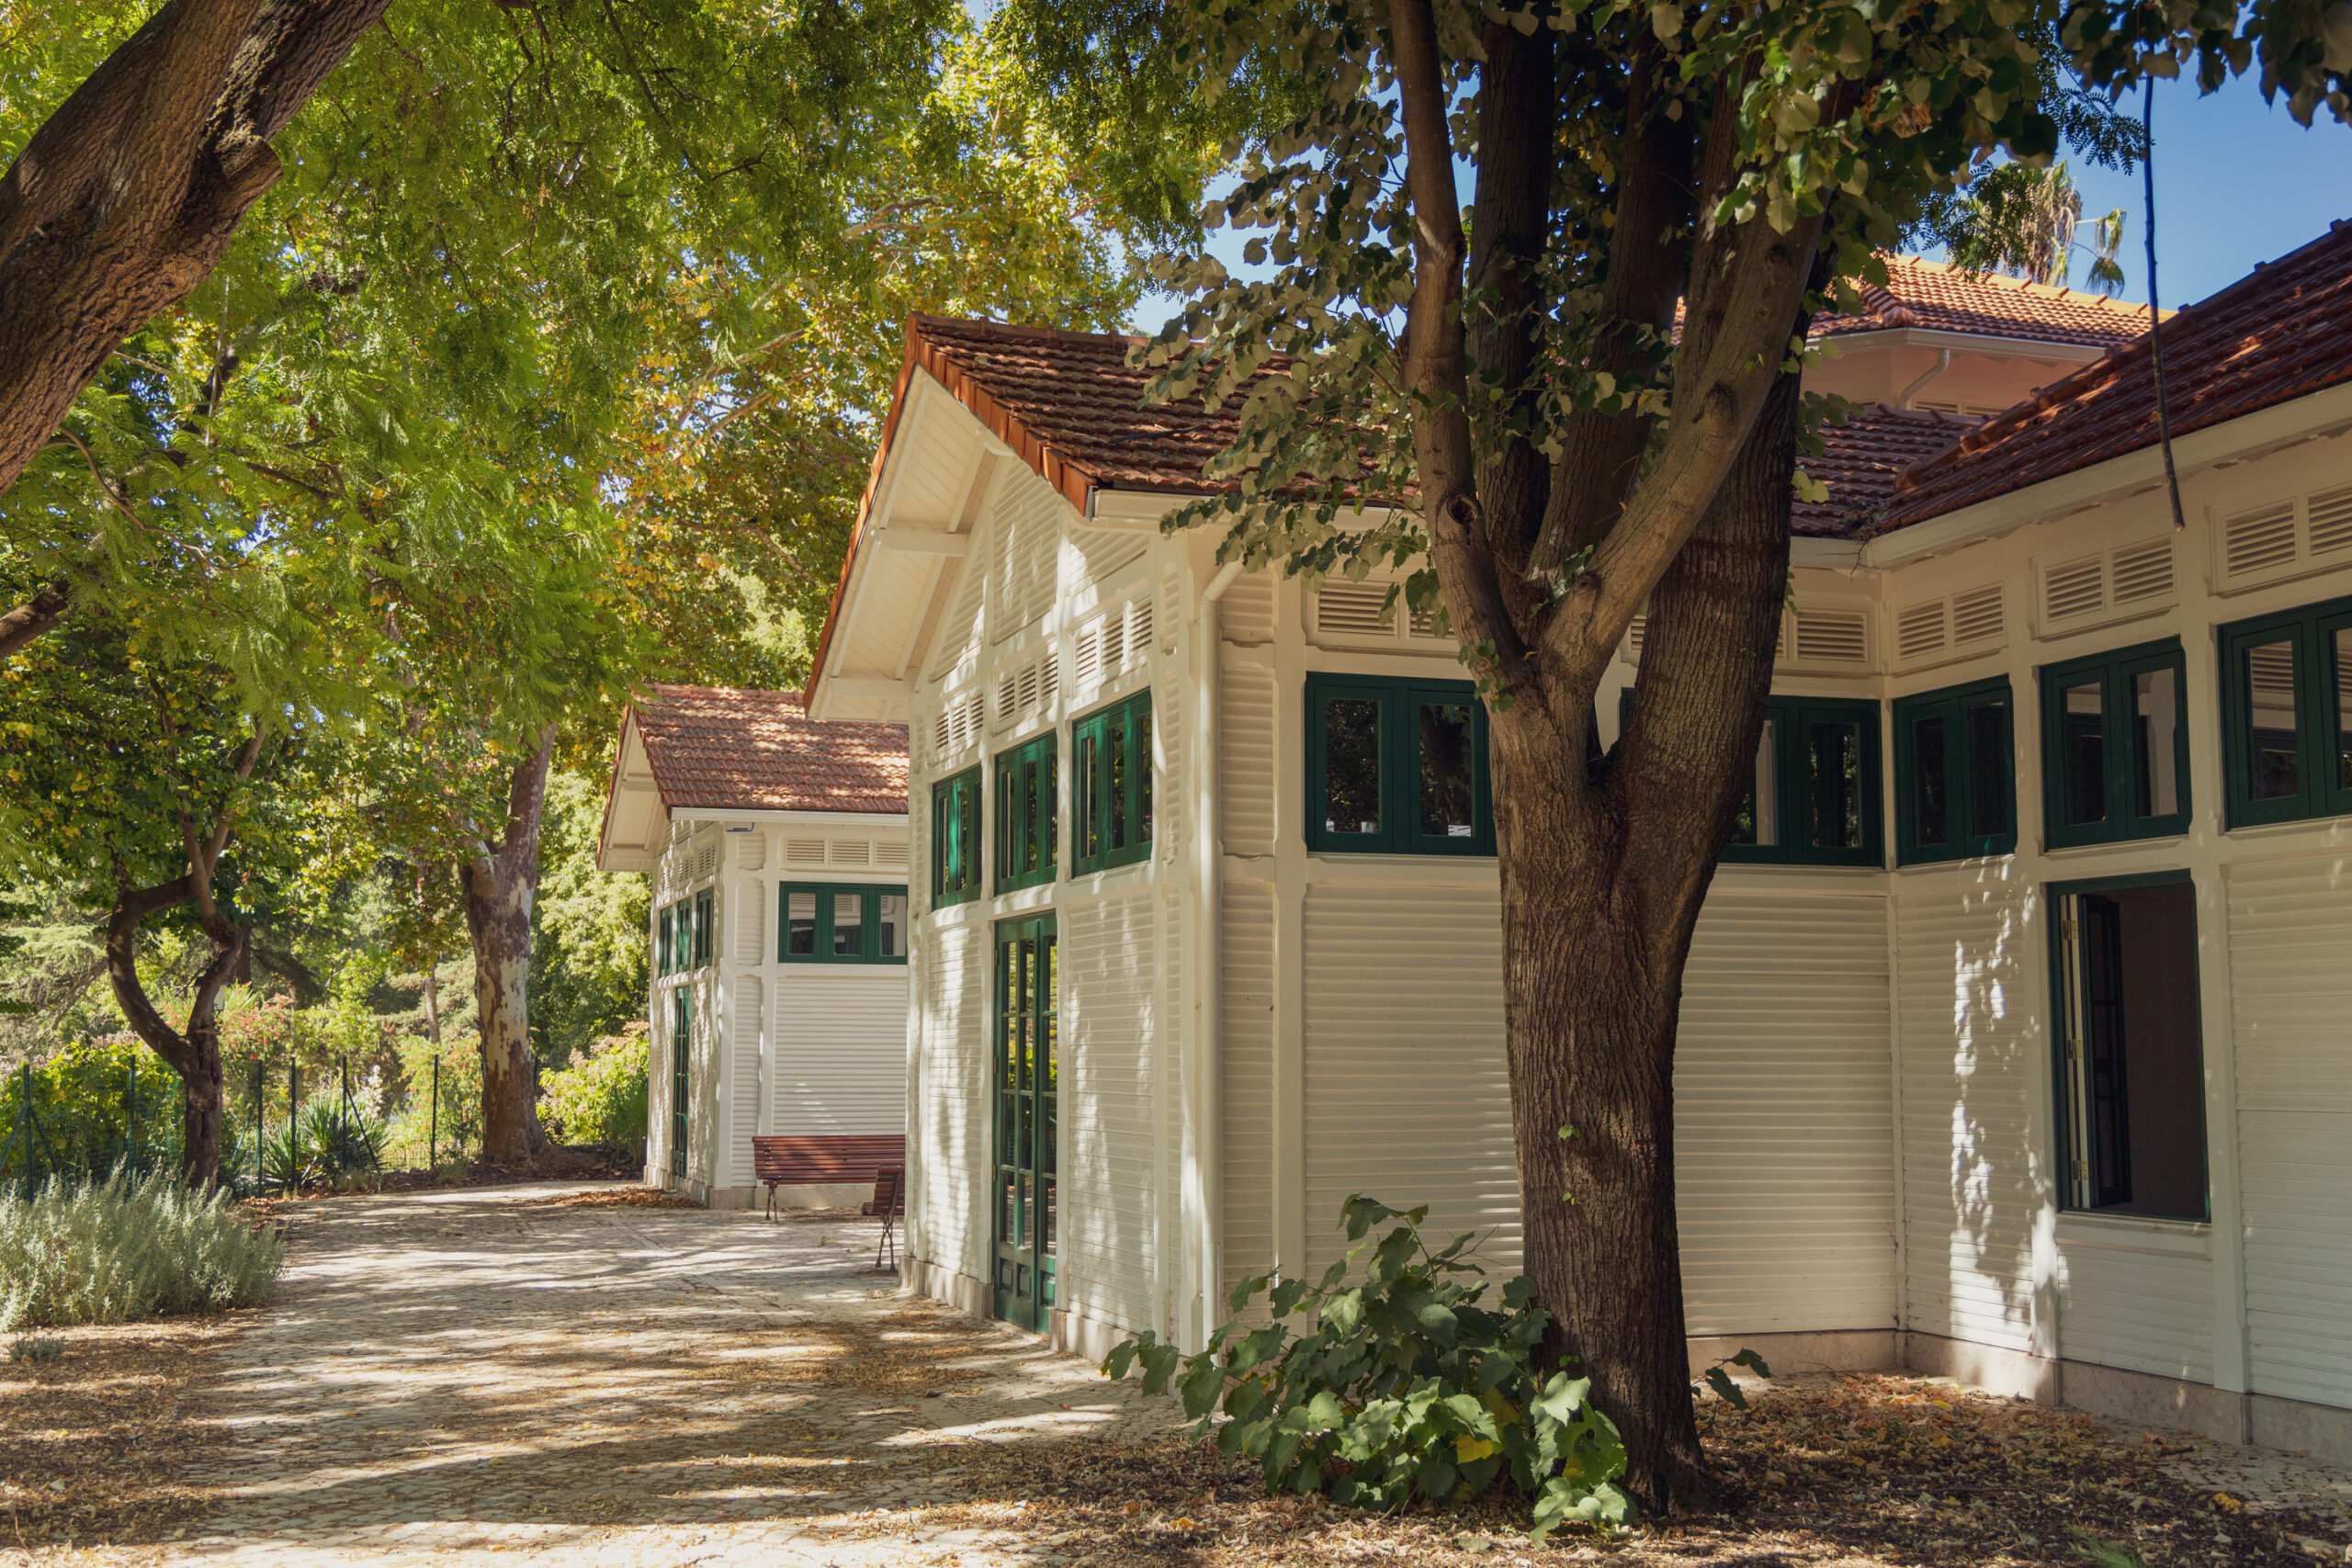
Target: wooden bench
824, 1160
889, 1200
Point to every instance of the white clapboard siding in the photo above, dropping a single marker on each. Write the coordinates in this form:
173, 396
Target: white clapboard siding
960, 631
1407, 1094
743, 995
841, 1049
1175, 1048
1782, 1122
1245, 790
2136, 1308
1169, 796
1971, 1060
951, 1122
1246, 614
706, 1134
1109, 1155
748, 910
1024, 554
2290, 972
1097, 553
1245, 995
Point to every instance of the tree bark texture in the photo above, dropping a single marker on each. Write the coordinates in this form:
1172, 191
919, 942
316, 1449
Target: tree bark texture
499, 883
1605, 859
50, 604
127, 197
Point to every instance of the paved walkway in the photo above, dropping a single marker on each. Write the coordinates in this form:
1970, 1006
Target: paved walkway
453, 1375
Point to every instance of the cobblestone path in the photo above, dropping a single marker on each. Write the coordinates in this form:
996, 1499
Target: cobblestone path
506, 1375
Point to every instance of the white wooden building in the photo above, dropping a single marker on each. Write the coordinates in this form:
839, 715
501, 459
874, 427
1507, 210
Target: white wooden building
2015, 1042
777, 850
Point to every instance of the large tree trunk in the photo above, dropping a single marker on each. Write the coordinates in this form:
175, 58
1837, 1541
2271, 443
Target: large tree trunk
127, 197
1605, 863
499, 885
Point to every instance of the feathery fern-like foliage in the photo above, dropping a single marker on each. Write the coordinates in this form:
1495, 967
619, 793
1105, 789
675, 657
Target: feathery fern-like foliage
117, 1249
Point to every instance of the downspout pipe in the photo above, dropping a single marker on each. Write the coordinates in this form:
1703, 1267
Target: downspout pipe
1211, 1119
1942, 363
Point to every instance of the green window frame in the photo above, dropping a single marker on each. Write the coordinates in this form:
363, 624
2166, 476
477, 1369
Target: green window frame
955, 838
1815, 796
1373, 749
706, 926
1027, 813
1110, 784
841, 922
2097, 792
664, 941
1956, 774
682, 1029
2299, 660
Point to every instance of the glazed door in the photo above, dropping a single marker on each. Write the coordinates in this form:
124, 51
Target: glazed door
1026, 1081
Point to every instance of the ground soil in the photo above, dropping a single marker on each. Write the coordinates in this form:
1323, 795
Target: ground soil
596, 1374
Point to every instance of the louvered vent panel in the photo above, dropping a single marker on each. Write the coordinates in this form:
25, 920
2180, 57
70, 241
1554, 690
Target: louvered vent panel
2257, 541
1090, 656
1049, 677
971, 720
1139, 629
2142, 572
2077, 588
892, 853
1350, 609
1833, 636
941, 732
804, 851
1634, 636
1919, 630
1115, 643
706, 861
1028, 688
2331, 529
1976, 616
751, 850
851, 851
1008, 697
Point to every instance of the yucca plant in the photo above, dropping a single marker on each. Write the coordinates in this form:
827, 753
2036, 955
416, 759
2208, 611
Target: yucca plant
339, 1142
112, 1250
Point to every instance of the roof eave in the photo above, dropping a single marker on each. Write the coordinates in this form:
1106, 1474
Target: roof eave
2321, 413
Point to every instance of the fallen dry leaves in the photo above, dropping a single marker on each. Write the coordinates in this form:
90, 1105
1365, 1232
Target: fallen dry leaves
1846, 1473
92, 1446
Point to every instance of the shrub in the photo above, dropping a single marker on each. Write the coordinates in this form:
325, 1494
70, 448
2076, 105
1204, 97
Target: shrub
114, 1250
599, 1098
1399, 1387
81, 1098
36, 1349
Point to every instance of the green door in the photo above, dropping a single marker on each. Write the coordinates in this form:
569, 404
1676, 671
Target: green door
1027, 1067
682, 1030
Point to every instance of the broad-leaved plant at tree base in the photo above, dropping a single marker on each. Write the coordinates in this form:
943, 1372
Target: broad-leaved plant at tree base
1386, 1383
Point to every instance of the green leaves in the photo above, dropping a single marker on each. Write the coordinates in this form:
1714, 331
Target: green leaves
1401, 1388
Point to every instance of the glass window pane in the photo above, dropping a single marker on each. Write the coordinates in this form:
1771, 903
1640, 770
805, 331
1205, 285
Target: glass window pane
1445, 769
1834, 761
800, 923
1122, 766
2343, 708
1088, 826
1351, 765
2083, 759
1041, 766
1988, 768
2155, 704
1929, 814
2273, 770
849, 925
894, 925
1143, 773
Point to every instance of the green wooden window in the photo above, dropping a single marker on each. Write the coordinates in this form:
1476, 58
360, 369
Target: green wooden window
1026, 814
1815, 798
1956, 774
955, 838
826, 922
2115, 746
682, 1030
1110, 786
2287, 714
706, 925
665, 922
1396, 767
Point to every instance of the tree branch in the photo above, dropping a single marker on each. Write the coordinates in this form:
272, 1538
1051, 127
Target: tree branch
50, 604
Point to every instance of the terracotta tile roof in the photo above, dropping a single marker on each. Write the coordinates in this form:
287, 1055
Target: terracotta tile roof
1931, 295
2281, 332
730, 748
1860, 461
1069, 404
